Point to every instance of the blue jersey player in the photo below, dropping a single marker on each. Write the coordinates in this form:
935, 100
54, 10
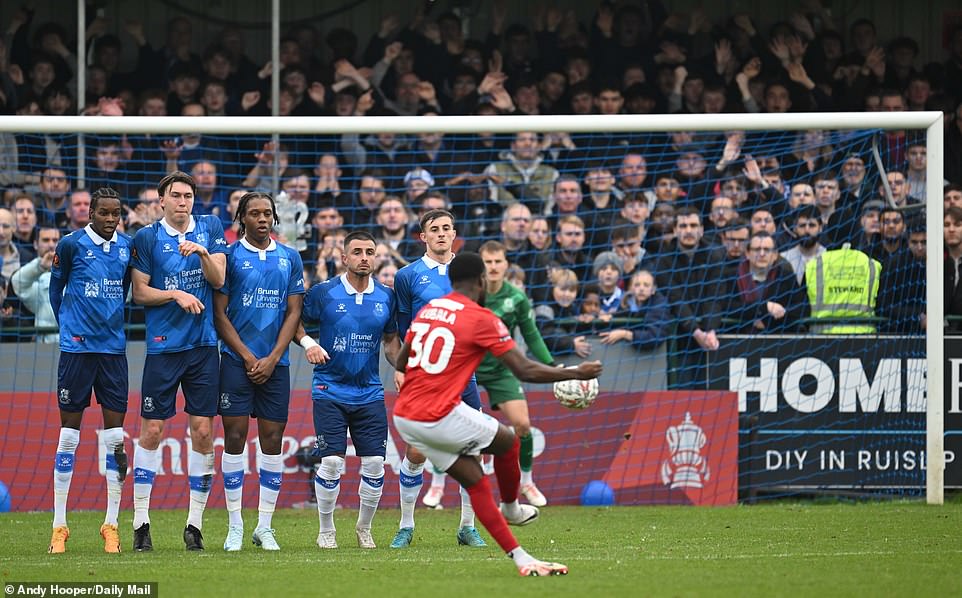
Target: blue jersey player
416, 284
357, 314
256, 313
178, 262
89, 278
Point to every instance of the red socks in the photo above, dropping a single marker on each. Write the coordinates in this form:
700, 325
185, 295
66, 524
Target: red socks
490, 515
508, 471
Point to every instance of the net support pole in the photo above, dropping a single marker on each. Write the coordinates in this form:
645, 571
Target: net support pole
935, 317
81, 88
275, 90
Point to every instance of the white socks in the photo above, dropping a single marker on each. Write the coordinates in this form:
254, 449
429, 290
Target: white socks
112, 438
200, 472
327, 486
411, 479
63, 473
145, 468
271, 476
232, 468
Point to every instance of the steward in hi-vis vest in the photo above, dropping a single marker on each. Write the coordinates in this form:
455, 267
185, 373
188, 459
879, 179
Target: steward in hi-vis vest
843, 283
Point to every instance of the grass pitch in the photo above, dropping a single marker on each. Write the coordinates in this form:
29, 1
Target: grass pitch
778, 549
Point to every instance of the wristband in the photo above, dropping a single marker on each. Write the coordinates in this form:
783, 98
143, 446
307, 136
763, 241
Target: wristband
307, 342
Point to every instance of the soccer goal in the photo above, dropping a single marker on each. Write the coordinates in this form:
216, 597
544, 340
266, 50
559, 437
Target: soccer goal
755, 285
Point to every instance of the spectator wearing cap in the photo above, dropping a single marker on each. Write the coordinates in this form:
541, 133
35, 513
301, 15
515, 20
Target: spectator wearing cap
608, 268
869, 226
416, 182
765, 295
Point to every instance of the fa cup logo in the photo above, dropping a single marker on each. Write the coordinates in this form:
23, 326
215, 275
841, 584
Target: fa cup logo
686, 468
292, 216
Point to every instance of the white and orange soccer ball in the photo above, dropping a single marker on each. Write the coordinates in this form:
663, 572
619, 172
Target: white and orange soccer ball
576, 394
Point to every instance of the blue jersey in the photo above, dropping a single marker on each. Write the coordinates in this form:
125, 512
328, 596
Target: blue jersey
170, 328
258, 284
417, 283
92, 272
351, 326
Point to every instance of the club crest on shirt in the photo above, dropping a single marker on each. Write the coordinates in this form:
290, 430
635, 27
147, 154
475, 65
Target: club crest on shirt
122, 252
200, 239
282, 263
379, 309
508, 304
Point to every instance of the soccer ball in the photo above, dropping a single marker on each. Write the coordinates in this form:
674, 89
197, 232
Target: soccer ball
576, 394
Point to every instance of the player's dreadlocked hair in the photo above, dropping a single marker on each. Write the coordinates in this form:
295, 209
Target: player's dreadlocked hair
102, 193
465, 266
245, 200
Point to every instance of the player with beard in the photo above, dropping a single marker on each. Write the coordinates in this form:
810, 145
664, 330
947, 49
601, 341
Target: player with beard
807, 228
357, 315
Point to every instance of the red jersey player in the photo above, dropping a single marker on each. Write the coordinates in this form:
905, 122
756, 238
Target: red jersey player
443, 346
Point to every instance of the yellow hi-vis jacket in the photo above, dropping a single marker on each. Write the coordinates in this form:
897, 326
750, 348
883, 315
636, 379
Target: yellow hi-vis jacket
843, 283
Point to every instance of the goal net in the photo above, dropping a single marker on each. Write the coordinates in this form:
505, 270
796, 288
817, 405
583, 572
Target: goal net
755, 285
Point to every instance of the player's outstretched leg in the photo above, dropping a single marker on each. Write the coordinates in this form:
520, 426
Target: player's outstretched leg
411, 478
528, 488
369, 490
327, 485
232, 469
115, 468
62, 474
271, 477
468, 472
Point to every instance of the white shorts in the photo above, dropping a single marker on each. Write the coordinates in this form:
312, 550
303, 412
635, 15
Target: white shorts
463, 431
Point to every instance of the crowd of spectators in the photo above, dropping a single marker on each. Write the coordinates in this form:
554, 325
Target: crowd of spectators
694, 232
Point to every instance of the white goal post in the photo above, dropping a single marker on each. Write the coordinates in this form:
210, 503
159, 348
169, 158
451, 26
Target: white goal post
931, 122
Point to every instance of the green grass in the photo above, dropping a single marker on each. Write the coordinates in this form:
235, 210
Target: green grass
778, 549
